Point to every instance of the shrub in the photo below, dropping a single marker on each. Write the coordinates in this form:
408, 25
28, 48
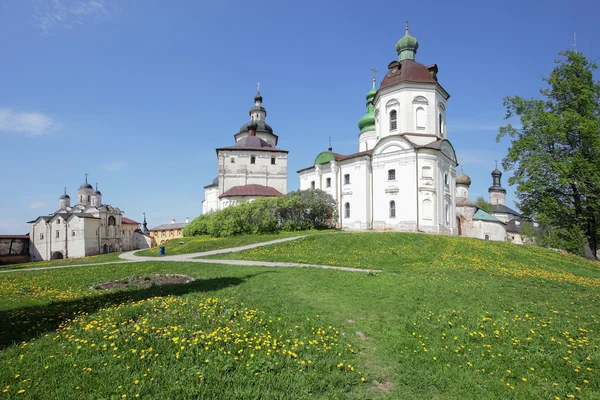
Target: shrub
199, 226
299, 210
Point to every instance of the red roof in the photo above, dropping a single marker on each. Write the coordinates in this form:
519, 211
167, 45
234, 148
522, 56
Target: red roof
341, 157
251, 190
129, 221
14, 236
409, 71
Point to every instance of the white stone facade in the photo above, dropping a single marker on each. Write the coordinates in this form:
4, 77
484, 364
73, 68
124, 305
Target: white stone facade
268, 169
86, 229
398, 187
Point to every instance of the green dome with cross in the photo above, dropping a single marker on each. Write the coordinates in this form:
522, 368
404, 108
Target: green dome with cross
407, 46
367, 122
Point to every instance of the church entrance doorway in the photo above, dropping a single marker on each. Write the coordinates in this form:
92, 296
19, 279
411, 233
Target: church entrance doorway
105, 249
57, 255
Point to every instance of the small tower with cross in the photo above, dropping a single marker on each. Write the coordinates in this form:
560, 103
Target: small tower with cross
366, 138
64, 202
85, 193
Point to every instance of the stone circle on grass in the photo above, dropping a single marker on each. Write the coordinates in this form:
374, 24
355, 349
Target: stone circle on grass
144, 281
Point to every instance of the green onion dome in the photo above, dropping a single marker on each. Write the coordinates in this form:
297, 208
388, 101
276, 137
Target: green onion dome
407, 46
367, 122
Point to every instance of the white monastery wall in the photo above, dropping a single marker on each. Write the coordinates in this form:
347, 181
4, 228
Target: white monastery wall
479, 229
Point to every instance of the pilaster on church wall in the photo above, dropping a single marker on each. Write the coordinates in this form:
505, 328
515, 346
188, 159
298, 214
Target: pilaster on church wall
93, 233
77, 242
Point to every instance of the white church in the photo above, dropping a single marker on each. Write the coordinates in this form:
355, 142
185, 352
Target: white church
252, 168
85, 229
403, 176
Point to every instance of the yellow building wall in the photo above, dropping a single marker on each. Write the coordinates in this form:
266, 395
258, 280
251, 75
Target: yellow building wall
164, 235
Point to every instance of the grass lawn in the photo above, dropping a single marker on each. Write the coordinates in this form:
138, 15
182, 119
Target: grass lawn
447, 318
110, 257
196, 244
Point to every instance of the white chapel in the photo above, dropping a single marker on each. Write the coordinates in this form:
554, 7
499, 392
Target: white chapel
252, 168
84, 229
403, 176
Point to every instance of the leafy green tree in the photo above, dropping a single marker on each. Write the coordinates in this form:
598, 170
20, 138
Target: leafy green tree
555, 153
483, 204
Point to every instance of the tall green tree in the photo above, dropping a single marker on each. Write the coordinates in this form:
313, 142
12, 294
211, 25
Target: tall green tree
555, 153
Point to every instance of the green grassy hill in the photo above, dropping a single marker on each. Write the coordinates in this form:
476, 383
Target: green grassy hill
446, 318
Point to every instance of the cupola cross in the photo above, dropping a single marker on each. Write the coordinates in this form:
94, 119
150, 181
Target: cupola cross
258, 85
86, 174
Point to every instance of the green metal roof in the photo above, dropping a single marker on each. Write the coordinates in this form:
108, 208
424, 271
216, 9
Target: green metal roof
367, 122
324, 157
407, 46
484, 216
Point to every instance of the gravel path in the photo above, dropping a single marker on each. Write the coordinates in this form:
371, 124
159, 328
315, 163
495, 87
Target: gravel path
193, 257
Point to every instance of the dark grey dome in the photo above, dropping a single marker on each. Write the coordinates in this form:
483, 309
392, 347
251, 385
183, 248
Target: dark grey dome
262, 127
252, 142
215, 181
258, 108
98, 192
65, 196
85, 186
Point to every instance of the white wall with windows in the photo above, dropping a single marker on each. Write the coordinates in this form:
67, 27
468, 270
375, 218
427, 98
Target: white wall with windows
397, 188
246, 167
411, 109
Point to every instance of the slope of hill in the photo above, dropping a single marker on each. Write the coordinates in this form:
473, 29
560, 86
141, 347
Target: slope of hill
446, 318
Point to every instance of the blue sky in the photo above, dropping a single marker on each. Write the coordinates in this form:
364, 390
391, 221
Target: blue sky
140, 93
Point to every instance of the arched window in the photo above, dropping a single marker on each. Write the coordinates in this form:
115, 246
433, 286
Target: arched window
447, 214
487, 237
427, 209
421, 118
252, 160
391, 174
393, 120
347, 210
112, 221
392, 209
441, 124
